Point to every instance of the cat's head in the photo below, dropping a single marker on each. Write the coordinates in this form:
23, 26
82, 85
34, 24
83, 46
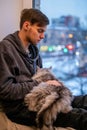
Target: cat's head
43, 74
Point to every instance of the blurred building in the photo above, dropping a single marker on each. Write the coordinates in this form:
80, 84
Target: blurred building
69, 21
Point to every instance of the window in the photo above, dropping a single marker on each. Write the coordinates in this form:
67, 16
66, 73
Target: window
65, 44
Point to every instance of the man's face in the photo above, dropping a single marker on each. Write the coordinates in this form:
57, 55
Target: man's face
35, 33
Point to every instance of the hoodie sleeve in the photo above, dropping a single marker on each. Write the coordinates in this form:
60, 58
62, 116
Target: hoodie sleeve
80, 102
12, 87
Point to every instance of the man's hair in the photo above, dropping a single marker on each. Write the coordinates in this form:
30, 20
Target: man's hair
33, 16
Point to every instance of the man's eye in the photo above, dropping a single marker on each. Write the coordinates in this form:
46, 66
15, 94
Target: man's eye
40, 30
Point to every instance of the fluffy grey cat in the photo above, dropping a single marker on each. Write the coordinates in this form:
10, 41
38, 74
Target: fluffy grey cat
48, 100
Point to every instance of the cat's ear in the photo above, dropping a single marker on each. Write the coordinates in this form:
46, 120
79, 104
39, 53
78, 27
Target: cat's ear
38, 68
50, 68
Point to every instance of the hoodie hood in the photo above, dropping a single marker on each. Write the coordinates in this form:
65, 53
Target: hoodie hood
33, 54
15, 40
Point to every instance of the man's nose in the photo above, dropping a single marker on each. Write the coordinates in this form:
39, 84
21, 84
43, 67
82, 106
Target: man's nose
42, 36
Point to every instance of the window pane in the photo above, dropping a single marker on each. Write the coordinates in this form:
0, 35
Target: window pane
65, 44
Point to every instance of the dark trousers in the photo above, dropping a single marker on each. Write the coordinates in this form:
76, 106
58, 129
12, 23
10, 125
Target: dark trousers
77, 118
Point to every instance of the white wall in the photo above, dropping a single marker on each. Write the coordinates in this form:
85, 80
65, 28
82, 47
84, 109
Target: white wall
27, 3
10, 15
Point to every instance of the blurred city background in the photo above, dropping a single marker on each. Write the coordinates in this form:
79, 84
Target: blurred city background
65, 44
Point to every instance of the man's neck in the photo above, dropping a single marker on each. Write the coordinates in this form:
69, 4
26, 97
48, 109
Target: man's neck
25, 43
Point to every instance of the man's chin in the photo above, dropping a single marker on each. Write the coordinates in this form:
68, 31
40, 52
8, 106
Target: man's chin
34, 43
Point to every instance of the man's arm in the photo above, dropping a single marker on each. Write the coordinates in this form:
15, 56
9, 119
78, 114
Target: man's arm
13, 87
80, 102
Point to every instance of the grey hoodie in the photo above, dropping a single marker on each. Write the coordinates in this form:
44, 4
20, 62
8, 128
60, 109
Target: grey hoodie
16, 70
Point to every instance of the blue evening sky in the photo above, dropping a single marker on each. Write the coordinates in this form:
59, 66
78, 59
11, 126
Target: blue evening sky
56, 8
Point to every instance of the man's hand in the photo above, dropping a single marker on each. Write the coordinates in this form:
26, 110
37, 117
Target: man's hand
53, 82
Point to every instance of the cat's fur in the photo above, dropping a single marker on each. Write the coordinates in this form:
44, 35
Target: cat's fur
48, 100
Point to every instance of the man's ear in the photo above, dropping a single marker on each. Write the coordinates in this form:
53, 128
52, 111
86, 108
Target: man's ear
26, 25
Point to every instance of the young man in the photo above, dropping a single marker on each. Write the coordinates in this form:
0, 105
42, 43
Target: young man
19, 57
